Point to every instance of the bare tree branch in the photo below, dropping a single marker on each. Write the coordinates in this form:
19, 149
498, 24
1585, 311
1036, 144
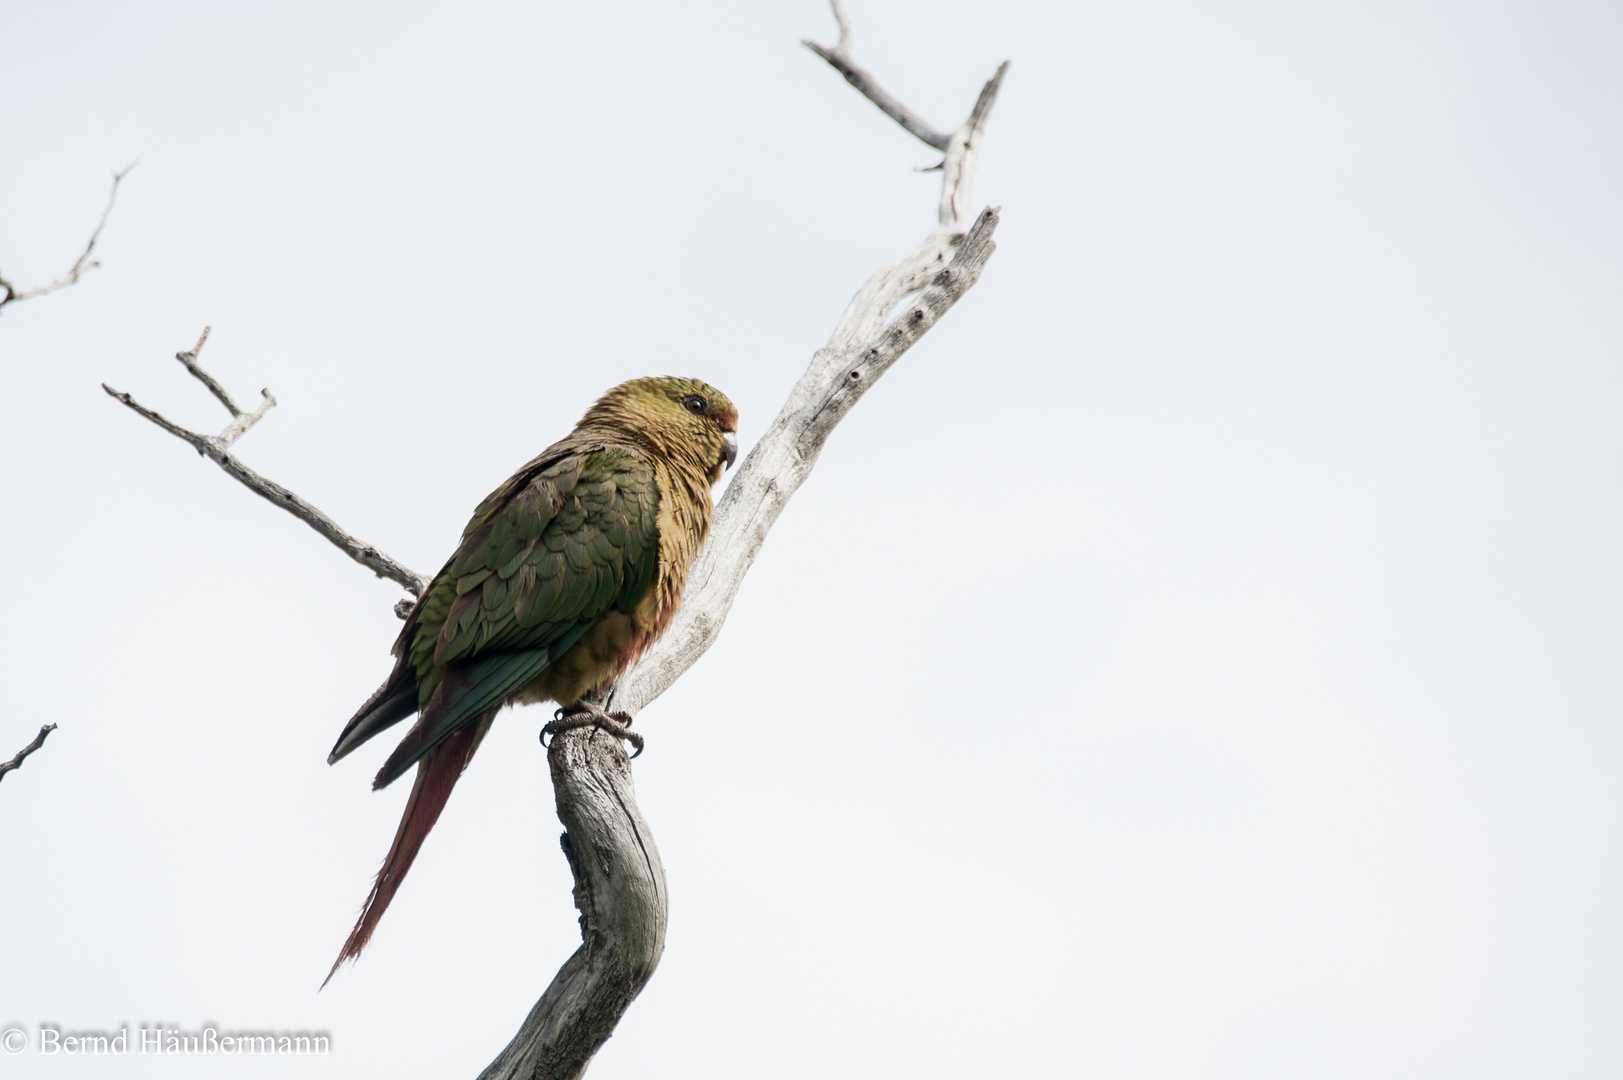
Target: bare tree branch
22, 755
216, 447
189, 359
840, 58
80, 268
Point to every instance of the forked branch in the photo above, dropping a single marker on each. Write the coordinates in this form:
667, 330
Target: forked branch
217, 449
840, 58
80, 268
861, 349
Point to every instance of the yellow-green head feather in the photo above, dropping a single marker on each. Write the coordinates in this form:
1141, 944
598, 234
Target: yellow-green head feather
685, 420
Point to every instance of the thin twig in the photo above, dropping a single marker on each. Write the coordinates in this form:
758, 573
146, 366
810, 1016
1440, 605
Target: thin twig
216, 449
189, 359
80, 268
17, 762
847, 37
839, 57
875, 93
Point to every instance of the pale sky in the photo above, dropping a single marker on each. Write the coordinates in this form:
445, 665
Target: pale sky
1198, 658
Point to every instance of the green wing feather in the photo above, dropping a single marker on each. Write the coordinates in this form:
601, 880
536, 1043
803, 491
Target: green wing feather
570, 538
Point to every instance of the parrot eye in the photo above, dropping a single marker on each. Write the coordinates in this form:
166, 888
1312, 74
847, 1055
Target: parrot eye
695, 404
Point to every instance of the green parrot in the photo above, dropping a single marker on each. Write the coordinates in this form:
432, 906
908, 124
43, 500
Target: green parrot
565, 575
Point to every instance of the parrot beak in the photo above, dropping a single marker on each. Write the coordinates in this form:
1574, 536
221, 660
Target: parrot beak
729, 448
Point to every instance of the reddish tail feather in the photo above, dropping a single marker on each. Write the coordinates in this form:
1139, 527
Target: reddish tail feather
437, 774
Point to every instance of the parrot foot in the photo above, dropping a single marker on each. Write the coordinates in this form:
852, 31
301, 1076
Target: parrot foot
586, 714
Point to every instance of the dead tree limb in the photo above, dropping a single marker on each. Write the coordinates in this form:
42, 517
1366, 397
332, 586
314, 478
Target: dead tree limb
861, 349
620, 891
217, 449
80, 268
839, 57
619, 882
22, 755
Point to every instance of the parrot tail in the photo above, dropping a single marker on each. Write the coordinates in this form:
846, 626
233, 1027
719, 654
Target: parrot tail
437, 774
395, 700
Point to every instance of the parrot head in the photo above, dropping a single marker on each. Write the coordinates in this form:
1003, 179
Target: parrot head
686, 419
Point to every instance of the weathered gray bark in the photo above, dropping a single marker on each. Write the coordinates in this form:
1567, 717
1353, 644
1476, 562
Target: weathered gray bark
620, 891
22, 755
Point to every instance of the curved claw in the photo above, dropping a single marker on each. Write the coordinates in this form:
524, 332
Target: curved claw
587, 714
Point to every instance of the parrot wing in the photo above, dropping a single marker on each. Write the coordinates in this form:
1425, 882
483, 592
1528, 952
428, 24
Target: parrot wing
546, 556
